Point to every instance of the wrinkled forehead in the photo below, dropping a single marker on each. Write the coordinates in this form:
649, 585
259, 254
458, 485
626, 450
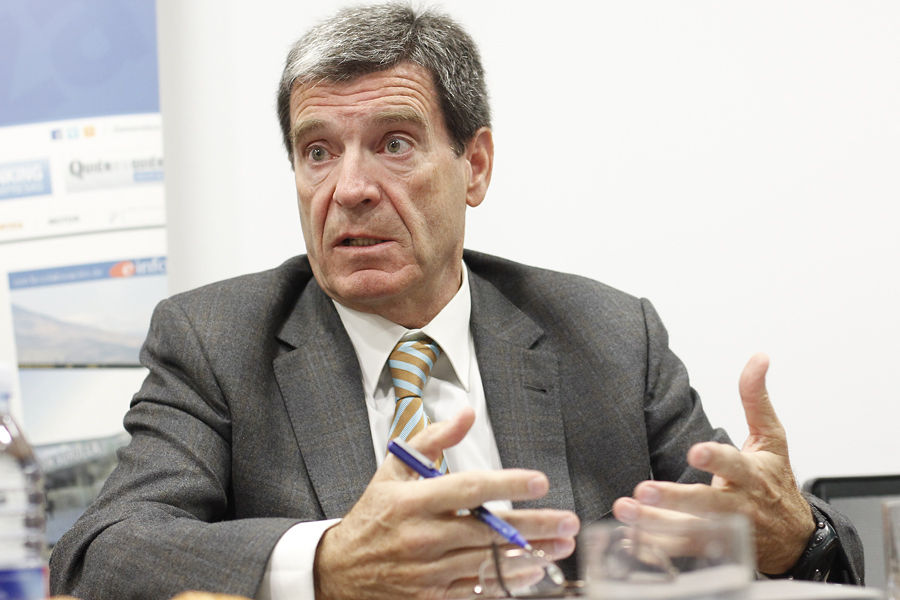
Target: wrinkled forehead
350, 78
404, 92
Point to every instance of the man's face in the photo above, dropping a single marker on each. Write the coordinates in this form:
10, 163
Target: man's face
382, 193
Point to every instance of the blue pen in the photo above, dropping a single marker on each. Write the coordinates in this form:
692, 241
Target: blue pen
419, 463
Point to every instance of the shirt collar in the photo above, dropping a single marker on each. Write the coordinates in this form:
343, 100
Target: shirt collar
374, 337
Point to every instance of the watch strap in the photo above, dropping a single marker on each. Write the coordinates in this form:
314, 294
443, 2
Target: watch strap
818, 557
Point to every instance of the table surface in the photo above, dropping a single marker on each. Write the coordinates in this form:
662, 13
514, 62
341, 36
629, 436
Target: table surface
785, 589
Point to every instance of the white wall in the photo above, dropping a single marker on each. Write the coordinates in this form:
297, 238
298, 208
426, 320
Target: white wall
736, 162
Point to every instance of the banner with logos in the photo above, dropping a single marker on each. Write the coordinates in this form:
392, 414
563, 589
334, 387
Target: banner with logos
82, 228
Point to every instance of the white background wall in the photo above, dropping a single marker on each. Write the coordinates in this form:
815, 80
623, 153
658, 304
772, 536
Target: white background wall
736, 162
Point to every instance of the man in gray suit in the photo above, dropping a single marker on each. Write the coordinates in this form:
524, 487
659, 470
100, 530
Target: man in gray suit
257, 462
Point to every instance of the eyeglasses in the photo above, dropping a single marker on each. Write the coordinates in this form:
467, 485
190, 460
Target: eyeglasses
518, 573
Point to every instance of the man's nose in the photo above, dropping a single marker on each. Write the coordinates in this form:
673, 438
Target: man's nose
356, 183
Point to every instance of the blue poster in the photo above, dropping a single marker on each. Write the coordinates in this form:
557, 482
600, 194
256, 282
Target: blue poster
76, 59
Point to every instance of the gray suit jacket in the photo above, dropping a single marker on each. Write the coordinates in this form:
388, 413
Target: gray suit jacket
235, 436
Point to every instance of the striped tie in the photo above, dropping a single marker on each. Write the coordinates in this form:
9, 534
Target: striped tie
410, 364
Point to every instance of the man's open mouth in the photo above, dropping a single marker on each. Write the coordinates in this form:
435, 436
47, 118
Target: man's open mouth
360, 242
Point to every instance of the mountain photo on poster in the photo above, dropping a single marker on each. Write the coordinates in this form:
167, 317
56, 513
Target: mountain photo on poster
85, 315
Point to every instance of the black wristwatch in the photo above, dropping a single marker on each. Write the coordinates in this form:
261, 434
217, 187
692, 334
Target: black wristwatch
817, 559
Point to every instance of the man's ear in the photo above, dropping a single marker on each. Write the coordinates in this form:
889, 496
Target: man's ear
480, 156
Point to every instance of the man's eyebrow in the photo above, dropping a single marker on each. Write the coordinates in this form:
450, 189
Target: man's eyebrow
401, 115
304, 128
387, 117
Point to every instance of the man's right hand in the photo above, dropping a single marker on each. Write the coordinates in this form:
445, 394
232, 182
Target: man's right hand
404, 538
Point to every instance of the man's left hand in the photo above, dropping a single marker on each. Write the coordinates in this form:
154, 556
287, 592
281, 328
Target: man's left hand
756, 480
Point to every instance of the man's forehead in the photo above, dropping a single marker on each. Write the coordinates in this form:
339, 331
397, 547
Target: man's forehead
405, 93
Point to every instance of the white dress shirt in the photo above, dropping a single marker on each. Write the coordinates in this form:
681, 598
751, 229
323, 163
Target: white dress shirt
455, 383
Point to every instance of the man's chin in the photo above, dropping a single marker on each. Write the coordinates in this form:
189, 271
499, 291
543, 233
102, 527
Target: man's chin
366, 291
405, 296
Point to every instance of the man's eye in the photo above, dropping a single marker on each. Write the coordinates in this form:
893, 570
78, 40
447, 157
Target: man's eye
317, 154
397, 146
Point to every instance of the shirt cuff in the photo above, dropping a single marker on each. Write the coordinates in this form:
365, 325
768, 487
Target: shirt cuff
289, 574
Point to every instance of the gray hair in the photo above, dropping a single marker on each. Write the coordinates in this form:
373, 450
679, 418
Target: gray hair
368, 39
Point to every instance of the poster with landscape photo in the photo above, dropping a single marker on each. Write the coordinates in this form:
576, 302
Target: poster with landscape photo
85, 315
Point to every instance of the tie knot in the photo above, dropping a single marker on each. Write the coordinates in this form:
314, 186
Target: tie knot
410, 364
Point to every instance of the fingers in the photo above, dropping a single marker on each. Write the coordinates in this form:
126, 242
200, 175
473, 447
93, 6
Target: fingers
630, 511
723, 460
552, 530
660, 533
555, 549
555, 529
444, 434
468, 544
765, 428
467, 489
752, 383
652, 497
473, 488
430, 442
695, 498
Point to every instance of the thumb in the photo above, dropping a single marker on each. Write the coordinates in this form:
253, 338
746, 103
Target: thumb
431, 441
766, 431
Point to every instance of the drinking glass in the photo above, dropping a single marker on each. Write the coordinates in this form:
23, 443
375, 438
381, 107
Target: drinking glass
707, 558
890, 512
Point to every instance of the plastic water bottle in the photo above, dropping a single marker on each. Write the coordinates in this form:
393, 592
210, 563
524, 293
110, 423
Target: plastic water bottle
23, 569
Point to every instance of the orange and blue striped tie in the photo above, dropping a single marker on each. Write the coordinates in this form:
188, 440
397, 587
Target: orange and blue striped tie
410, 364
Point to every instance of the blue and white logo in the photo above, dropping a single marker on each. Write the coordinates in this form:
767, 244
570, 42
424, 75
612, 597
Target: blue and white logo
25, 178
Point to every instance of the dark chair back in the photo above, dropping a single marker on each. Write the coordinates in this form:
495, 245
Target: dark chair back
859, 498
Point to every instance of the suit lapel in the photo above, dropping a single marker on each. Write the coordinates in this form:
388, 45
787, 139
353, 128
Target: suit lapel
322, 390
521, 385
